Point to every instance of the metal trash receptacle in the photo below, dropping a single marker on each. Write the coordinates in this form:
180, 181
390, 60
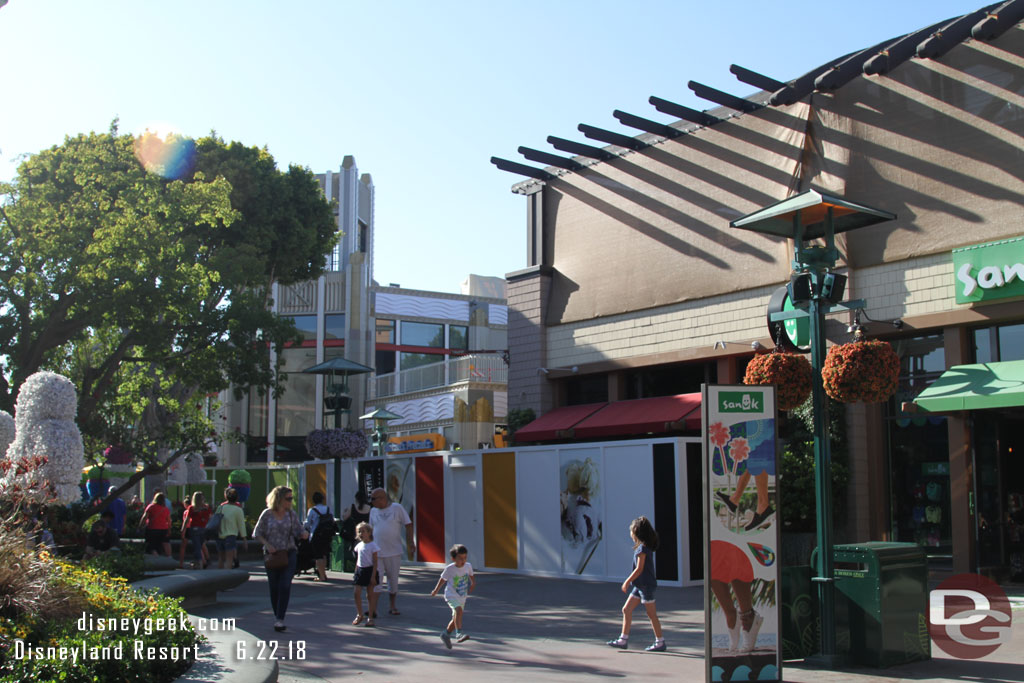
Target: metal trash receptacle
341, 559
881, 602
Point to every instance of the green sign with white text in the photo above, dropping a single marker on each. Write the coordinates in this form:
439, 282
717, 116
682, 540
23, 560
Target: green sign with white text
986, 272
740, 402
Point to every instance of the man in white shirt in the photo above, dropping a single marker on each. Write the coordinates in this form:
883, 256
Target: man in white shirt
387, 520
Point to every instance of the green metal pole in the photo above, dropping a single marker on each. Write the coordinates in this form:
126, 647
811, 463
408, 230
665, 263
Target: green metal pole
822, 478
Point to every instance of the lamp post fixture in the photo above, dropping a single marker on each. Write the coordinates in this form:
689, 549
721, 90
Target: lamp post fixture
337, 401
380, 418
815, 291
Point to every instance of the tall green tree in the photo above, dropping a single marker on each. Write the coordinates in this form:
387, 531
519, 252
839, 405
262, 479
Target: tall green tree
151, 292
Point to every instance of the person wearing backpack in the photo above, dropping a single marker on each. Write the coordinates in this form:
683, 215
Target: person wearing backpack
322, 528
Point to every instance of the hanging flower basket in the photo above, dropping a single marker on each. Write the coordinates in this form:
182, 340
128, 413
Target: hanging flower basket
789, 372
336, 443
862, 371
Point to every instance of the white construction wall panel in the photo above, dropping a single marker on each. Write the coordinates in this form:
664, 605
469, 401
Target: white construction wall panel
539, 511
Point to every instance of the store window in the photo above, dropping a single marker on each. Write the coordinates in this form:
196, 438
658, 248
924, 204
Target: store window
256, 438
587, 389
919, 453
334, 326
422, 334
385, 331
458, 337
999, 343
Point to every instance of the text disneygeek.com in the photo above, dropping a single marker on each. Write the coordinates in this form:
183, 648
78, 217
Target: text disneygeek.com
136, 649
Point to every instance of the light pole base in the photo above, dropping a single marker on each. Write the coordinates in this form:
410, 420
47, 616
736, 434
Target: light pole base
826, 662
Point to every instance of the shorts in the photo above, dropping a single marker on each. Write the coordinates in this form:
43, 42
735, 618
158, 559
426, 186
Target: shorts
362, 576
645, 593
227, 543
155, 539
455, 603
390, 566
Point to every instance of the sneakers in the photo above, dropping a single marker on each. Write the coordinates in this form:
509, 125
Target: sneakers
447, 639
734, 636
760, 518
619, 643
279, 625
749, 638
461, 636
658, 646
725, 499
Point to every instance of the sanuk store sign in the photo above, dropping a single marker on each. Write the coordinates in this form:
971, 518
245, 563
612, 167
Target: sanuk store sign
986, 272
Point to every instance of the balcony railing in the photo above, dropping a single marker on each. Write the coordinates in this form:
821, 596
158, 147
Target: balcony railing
450, 371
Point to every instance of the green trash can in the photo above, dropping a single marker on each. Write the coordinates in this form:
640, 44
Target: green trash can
342, 559
881, 602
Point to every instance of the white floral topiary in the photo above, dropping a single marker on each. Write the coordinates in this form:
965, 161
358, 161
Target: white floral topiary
45, 424
7, 430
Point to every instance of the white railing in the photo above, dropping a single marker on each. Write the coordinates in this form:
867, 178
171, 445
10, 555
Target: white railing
451, 371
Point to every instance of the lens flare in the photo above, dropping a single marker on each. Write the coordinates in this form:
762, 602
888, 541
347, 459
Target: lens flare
171, 156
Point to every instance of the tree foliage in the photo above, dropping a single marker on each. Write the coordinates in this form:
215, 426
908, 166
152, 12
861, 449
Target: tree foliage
150, 292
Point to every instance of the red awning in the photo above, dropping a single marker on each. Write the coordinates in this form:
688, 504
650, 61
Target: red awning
642, 416
547, 426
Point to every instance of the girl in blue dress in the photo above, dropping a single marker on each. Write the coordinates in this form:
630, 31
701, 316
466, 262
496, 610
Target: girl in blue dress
641, 584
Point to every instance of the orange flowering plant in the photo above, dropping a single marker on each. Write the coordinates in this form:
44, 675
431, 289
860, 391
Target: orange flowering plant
789, 372
862, 371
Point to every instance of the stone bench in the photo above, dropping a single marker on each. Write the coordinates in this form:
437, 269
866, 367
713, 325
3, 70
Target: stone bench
219, 661
198, 588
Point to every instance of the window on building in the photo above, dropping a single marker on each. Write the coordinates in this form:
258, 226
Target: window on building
385, 362
587, 389
334, 326
385, 331
999, 343
364, 232
669, 380
919, 452
306, 325
256, 436
422, 334
418, 360
458, 337
295, 410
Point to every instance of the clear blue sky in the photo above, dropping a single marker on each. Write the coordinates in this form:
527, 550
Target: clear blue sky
421, 93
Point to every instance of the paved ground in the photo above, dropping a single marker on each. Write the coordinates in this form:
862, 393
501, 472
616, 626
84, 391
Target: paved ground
534, 628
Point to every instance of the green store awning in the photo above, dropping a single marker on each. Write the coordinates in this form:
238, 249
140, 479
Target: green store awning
973, 387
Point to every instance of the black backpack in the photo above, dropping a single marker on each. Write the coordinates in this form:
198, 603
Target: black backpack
326, 527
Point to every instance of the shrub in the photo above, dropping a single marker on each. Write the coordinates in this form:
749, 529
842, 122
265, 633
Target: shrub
127, 563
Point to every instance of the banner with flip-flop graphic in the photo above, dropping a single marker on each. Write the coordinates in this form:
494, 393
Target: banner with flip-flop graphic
741, 534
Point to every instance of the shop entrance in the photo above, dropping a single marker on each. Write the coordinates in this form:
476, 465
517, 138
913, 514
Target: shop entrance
999, 491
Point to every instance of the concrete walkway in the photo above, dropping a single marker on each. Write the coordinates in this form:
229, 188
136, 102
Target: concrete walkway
537, 629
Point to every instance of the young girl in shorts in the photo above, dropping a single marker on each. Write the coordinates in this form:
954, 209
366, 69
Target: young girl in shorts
640, 584
365, 575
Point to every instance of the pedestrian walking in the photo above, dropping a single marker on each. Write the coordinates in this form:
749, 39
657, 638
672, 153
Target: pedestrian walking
458, 582
277, 528
641, 584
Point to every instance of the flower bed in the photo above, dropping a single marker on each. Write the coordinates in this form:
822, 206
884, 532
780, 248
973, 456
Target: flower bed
80, 635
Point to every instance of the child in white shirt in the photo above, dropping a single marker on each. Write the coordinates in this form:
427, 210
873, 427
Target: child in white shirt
458, 582
365, 574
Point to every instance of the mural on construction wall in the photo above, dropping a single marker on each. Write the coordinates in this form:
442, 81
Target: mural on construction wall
581, 505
